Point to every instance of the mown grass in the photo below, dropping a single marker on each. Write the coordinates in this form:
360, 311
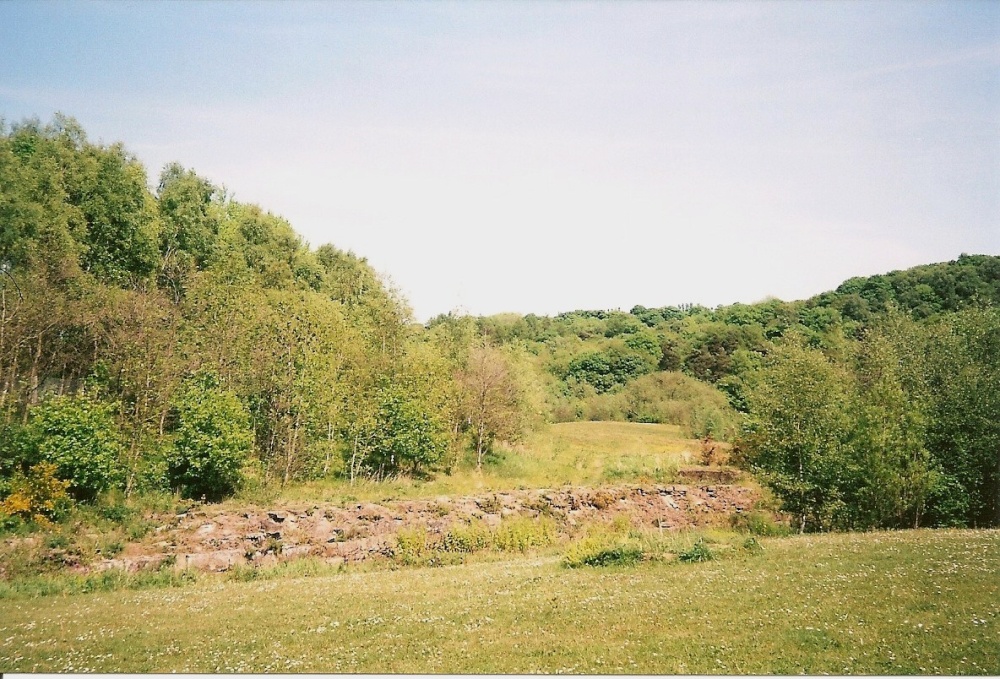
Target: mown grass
915, 602
578, 453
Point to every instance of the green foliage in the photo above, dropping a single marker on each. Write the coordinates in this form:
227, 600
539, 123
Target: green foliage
519, 534
796, 436
212, 439
617, 555
468, 538
895, 430
758, 523
110, 286
122, 228
400, 434
413, 546
416, 546
606, 370
15, 446
80, 436
698, 552
663, 398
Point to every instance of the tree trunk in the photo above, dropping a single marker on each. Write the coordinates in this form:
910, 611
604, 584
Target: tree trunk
33, 382
354, 457
480, 440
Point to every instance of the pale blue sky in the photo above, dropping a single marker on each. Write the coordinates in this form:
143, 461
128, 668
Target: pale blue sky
542, 157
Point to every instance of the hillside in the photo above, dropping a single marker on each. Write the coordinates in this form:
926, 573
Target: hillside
201, 415
174, 342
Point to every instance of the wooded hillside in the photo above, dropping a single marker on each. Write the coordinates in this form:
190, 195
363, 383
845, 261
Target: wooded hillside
172, 338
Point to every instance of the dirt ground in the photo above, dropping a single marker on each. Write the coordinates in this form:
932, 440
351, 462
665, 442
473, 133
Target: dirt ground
211, 539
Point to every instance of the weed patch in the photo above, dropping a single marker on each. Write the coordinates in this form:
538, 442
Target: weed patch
699, 552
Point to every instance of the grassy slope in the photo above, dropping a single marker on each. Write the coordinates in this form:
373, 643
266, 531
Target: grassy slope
885, 603
581, 453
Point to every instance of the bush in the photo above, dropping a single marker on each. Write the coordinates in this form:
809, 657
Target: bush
490, 505
14, 447
604, 547
212, 440
37, 495
947, 503
81, 438
413, 546
521, 534
467, 538
699, 552
401, 434
619, 555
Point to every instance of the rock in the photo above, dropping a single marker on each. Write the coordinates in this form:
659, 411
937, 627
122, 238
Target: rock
260, 560
296, 551
134, 564
277, 517
335, 549
210, 561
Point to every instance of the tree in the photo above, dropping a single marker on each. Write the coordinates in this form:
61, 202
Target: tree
963, 435
395, 433
190, 209
491, 398
889, 421
797, 430
212, 439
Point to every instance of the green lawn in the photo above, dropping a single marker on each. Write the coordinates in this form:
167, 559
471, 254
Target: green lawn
885, 603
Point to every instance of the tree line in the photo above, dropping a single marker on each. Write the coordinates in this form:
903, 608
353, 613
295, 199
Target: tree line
168, 337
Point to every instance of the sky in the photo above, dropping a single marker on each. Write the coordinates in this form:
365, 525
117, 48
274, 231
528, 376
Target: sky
540, 157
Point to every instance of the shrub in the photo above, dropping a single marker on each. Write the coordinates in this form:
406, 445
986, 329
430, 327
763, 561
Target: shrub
947, 502
401, 434
467, 538
603, 548
699, 552
490, 505
521, 534
602, 499
758, 523
37, 495
619, 555
80, 437
212, 440
413, 546
14, 447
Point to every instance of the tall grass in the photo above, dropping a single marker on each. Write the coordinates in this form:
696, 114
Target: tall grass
581, 453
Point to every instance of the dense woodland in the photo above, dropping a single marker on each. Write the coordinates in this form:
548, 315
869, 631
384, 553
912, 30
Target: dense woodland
159, 337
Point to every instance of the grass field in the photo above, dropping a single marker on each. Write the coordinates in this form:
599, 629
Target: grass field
912, 602
579, 453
